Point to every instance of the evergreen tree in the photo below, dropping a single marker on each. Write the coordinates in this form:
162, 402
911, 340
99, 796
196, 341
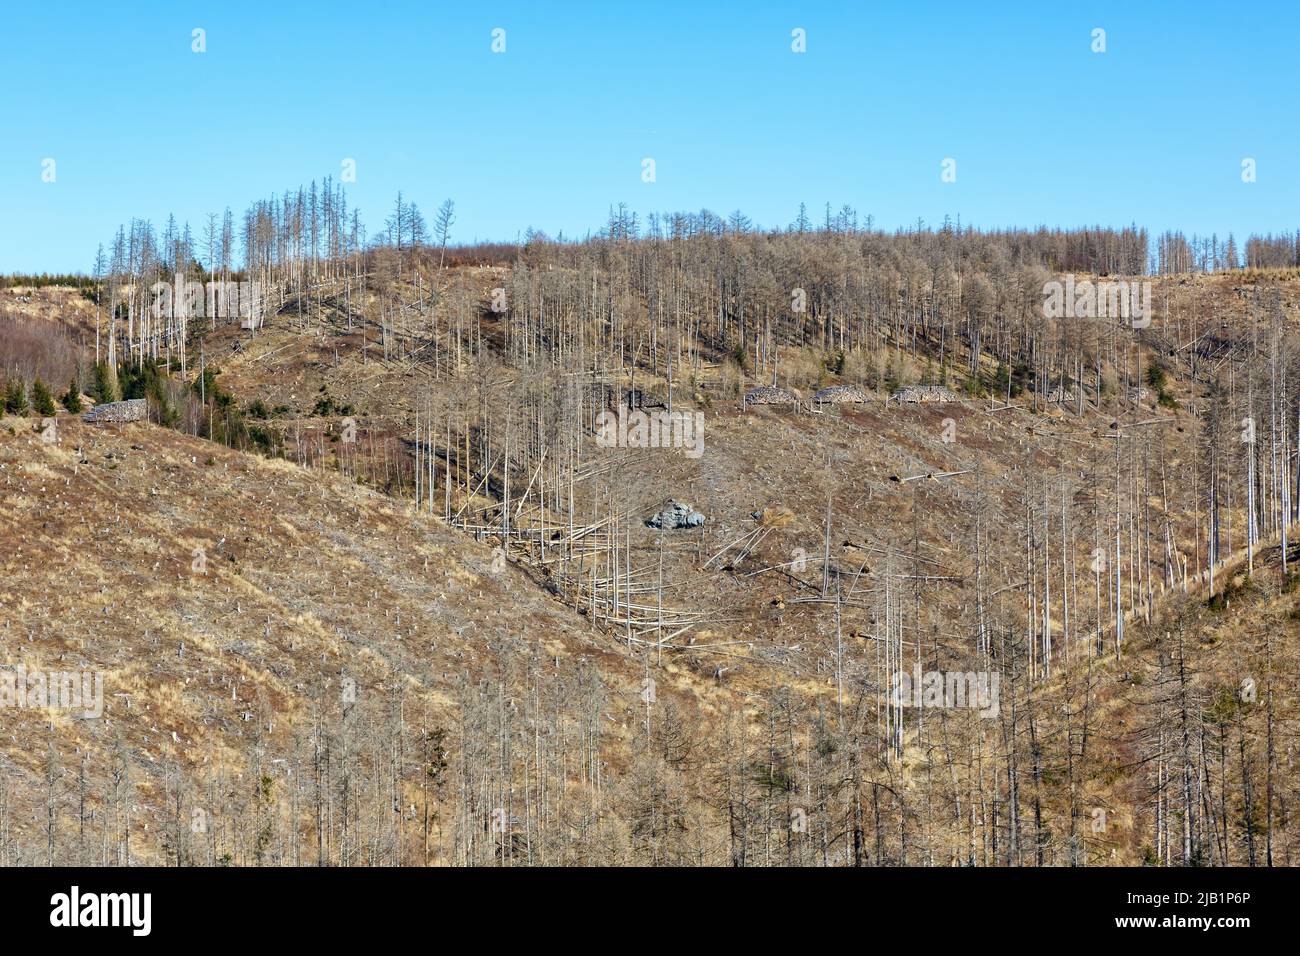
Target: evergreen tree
16, 397
72, 399
42, 400
105, 387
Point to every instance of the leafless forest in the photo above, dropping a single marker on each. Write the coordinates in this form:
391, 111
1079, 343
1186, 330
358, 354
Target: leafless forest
368, 589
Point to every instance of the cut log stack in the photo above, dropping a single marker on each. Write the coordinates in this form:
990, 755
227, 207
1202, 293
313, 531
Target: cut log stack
132, 410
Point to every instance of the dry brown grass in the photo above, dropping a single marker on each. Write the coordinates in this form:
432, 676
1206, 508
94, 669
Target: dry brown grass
317, 570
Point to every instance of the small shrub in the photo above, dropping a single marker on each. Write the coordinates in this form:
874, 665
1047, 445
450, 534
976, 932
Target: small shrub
740, 356
1159, 381
1232, 591
265, 440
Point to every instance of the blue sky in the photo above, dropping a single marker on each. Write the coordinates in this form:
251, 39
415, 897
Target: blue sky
553, 131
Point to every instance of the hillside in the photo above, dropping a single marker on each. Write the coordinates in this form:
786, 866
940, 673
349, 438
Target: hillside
276, 642
617, 693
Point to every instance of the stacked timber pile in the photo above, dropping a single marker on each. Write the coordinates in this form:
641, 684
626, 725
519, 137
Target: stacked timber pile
840, 394
132, 410
598, 396
643, 398
611, 396
770, 395
927, 394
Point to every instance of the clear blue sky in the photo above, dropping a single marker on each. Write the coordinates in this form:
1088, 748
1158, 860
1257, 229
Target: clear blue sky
552, 132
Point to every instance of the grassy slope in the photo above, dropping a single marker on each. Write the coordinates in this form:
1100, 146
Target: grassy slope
302, 565
307, 579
